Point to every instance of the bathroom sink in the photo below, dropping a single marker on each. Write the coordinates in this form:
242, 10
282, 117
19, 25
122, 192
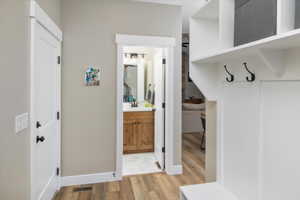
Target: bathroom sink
127, 108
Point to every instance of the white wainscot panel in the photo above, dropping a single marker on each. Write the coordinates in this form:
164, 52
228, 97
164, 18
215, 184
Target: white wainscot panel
281, 136
240, 139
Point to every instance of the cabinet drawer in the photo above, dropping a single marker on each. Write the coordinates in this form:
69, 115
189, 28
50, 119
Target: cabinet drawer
138, 115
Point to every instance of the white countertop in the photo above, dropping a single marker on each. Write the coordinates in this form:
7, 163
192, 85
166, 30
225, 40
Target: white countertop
137, 109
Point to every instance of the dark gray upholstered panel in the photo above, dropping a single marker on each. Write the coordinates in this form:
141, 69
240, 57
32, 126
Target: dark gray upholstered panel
254, 20
297, 21
240, 3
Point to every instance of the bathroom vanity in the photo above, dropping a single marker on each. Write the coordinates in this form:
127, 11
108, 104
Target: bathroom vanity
138, 119
138, 130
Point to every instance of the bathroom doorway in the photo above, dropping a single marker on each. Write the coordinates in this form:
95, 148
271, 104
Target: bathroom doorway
143, 110
145, 135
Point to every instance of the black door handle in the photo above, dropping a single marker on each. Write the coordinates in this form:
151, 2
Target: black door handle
40, 139
38, 124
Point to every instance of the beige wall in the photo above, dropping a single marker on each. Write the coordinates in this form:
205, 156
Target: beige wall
15, 98
52, 7
89, 113
14, 89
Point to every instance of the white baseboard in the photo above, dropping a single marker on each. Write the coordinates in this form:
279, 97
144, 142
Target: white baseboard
105, 177
175, 170
89, 179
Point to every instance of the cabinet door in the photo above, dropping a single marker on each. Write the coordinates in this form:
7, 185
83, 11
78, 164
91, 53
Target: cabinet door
243, 22
254, 20
130, 141
145, 129
297, 20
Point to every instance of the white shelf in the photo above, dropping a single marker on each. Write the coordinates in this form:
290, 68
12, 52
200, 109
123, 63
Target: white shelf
209, 191
275, 43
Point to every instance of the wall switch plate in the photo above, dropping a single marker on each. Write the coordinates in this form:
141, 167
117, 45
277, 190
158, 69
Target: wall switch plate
21, 122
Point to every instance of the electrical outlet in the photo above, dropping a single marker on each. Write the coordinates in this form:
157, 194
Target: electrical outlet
21, 122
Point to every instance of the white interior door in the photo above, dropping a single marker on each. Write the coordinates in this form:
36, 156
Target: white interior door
45, 108
159, 81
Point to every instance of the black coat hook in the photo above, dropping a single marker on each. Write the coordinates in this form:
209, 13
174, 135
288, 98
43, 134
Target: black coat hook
231, 79
253, 77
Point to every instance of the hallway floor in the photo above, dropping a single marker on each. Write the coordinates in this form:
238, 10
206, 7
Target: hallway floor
158, 186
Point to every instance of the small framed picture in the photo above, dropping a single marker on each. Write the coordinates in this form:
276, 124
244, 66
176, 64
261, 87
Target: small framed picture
92, 76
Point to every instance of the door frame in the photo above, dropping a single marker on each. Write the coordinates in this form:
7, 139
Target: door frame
169, 44
38, 17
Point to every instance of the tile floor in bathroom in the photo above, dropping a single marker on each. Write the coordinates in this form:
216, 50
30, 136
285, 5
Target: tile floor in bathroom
142, 163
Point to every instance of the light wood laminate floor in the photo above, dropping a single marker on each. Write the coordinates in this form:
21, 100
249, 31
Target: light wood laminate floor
159, 186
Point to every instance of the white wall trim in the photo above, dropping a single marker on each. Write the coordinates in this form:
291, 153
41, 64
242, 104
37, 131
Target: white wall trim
88, 179
220, 140
157, 42
175, 170
169, 121
168, 2
149, 41
119, 102
42, 18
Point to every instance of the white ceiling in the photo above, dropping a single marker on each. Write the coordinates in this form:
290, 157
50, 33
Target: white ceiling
189, 8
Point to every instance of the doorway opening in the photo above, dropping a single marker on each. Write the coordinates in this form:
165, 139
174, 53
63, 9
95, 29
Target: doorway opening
198, 124
143, 110
145, 104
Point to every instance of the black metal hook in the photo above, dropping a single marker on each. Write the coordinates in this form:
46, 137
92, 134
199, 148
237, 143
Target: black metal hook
231, 79
253, 77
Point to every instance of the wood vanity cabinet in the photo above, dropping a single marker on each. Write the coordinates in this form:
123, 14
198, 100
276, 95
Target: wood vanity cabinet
138, 132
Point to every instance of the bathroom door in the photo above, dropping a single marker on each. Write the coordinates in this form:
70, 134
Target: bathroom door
159, 80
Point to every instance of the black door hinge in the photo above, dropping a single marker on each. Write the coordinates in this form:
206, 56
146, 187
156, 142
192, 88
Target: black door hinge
38, 124
57, 171
164, 61
58, 115
164, 149
58, 60
164, 105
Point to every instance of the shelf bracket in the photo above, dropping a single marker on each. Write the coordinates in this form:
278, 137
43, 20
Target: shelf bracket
275, 60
